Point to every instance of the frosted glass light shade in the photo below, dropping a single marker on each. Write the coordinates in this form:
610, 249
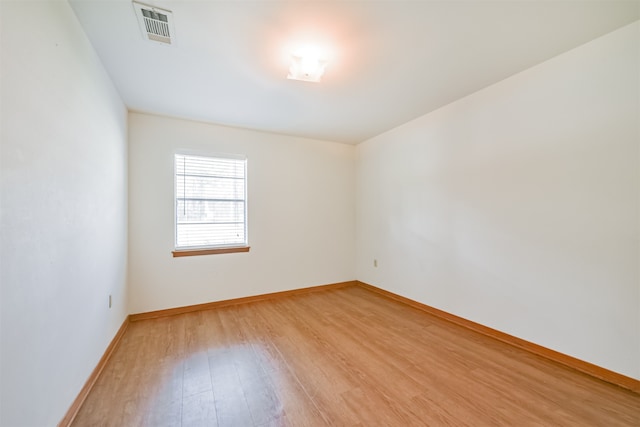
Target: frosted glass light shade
306, 68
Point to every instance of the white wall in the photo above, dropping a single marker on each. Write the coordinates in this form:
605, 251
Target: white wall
518, 206
63, 225
301, 215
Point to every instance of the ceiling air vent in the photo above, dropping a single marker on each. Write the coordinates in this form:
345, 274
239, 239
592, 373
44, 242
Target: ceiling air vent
156, 24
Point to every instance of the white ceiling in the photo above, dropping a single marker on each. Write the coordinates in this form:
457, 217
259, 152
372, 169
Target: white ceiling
392, 60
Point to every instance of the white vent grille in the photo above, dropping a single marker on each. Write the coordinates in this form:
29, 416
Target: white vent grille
156, 24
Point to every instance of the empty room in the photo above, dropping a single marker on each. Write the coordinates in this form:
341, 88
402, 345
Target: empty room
319, 213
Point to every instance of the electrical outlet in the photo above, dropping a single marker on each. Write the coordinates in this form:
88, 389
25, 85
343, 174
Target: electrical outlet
109, 301
375, 262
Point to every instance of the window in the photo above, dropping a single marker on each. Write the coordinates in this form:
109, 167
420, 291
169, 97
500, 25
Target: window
211, 205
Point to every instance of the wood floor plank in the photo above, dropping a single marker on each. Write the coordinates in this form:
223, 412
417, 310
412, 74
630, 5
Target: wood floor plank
343, 357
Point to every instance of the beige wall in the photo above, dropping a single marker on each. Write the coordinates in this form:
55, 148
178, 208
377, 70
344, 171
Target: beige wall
300, 215
518, 206
64, 212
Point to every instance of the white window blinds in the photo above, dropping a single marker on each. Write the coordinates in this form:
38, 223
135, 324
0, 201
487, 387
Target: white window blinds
211, 207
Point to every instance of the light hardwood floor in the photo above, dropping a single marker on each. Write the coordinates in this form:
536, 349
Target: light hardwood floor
345, 357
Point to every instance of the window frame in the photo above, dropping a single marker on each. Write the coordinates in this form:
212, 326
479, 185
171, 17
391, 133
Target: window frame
181, 251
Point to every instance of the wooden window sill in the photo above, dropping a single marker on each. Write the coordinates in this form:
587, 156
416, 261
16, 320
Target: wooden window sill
194, 252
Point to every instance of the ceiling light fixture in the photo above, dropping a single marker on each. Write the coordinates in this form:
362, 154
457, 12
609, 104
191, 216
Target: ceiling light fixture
307, 65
